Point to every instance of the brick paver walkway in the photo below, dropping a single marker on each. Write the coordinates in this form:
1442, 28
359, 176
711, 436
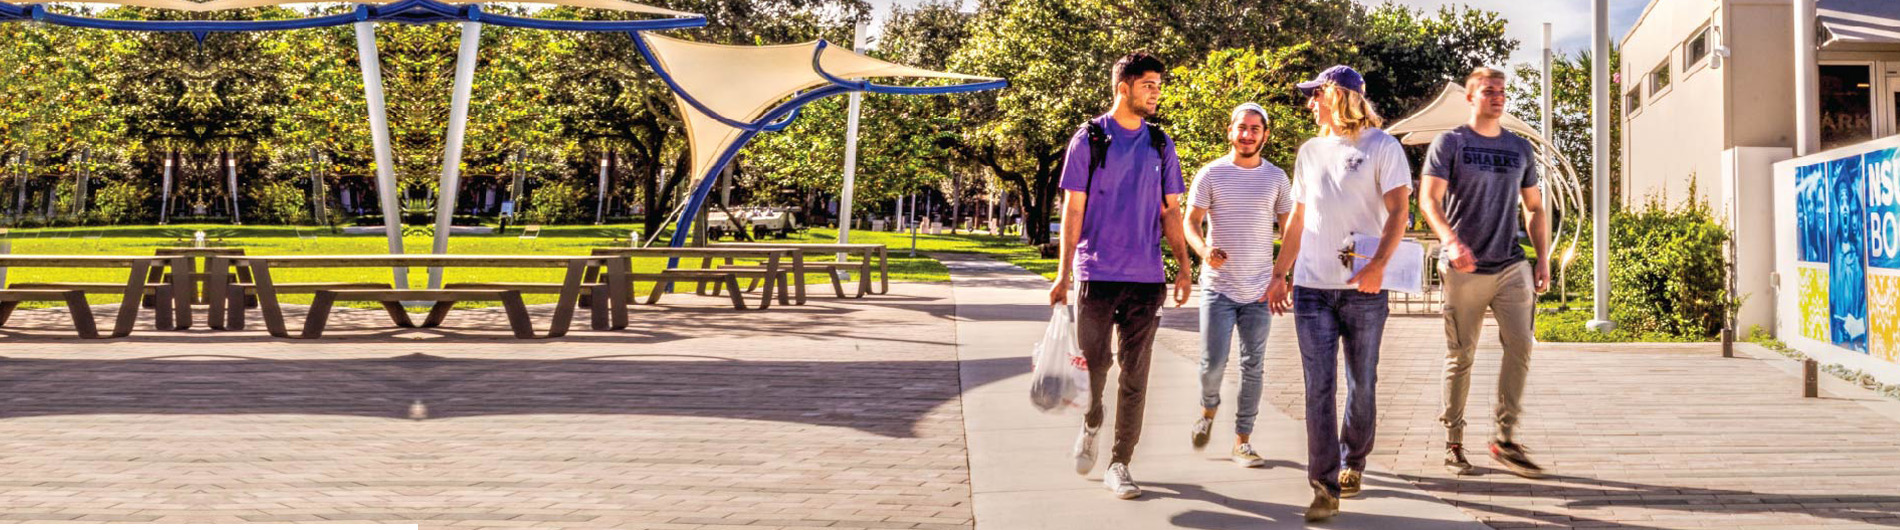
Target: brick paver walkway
841, 414
1635, 436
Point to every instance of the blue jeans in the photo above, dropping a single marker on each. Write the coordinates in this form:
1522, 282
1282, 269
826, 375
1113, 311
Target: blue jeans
1219, 315
1327, 319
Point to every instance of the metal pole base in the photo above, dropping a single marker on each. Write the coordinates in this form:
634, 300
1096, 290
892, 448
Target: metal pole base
1810, 378
1601, 326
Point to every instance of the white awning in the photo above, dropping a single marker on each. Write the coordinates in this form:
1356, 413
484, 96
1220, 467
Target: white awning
1859, 21
1447, 112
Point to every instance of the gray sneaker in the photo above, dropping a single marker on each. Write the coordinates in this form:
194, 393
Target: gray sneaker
1324, 506
1085, 451
1116, 479
1244, 455
1203, 428
1455, 462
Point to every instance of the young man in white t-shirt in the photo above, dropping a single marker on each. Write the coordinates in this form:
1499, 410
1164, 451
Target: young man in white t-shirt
1350, 181
1241, 196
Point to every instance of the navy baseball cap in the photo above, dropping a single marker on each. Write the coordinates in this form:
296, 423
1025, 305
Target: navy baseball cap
1341, 75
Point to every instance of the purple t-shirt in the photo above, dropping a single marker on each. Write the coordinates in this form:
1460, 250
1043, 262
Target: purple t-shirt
1121, 233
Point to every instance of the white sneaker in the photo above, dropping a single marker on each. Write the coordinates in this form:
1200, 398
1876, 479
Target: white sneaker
1118, 481
1085, 451
1203, 428
1244, 455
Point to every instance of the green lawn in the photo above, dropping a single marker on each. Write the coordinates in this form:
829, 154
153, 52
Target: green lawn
577, 240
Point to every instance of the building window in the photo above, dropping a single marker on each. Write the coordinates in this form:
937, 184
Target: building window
1697, 48
1847, 110
1632, 102
1659, 78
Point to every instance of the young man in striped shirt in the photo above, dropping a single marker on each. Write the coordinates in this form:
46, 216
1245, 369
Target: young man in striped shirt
1241, 196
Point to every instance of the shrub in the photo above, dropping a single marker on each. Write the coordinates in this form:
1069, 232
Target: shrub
279, 202
122, 202
555, 202
1667, 271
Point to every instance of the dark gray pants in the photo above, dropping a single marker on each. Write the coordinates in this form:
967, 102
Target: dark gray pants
1131, 312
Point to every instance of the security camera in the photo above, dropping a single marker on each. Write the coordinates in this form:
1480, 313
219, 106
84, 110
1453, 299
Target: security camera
1721, 54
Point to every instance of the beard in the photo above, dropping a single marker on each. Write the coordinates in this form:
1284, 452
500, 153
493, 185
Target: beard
1145, 110
1244, 152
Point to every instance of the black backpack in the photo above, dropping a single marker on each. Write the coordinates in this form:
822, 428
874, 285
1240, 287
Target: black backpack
1098, 150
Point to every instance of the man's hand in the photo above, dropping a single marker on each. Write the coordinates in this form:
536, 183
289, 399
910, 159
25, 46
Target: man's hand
1541, 275
1059, 293
1182, 287
1460, 256
1278, 297
1216, 257
1370, 279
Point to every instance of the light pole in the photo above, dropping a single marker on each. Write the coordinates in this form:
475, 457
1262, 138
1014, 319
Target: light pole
1600, 160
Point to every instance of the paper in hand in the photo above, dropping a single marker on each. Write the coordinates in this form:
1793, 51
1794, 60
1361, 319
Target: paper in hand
1404, 272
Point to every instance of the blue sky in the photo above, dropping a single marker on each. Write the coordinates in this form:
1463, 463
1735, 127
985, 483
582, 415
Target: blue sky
1525, 19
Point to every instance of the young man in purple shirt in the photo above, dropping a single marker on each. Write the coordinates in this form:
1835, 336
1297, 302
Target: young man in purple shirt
1123, 188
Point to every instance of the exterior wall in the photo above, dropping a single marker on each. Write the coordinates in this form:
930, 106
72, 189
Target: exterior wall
1760, 37
1675, 140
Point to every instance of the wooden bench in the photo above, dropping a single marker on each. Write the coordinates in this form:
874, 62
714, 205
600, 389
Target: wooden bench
663, 279
174, 314
594, 298
444, 299
10, 298
157, 296
571, 287
757, 272
236, 293
772, 258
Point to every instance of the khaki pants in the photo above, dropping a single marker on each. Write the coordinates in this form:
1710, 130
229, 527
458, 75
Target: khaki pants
1512, 298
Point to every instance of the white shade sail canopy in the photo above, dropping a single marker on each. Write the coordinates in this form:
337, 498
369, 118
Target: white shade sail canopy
221, 5
1448, 111
1859, 21
743, 83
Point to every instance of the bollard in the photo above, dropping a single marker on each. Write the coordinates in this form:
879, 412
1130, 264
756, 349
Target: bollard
1811, 378
1728, 342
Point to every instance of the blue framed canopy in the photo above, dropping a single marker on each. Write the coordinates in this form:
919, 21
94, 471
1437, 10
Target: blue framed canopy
402, 11
726, 94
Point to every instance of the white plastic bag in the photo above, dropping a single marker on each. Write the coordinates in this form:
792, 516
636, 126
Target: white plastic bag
1060, 377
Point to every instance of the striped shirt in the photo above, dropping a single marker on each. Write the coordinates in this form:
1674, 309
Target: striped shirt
1242, 205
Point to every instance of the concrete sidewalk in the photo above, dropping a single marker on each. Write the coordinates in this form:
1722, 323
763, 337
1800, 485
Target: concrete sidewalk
1022, 476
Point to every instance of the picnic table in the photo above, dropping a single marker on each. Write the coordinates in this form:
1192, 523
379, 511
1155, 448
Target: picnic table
769, 274
863, 267
136, 284
613, 288
190, 266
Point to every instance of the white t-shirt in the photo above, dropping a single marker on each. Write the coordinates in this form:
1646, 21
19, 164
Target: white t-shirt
1342, 183
1242, 204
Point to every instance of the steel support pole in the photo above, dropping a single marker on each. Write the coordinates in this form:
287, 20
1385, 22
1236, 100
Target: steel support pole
451, 184
379, 135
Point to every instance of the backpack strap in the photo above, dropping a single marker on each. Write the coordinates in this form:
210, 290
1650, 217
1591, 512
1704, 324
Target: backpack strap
1159, 141
1098, 151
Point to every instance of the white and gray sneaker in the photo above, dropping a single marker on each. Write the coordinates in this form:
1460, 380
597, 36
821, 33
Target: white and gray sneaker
1244, 455
1085, 451
1203, 428
1118, 481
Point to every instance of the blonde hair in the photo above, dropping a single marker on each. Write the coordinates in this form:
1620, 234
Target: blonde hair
1483, 72
1352, 112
